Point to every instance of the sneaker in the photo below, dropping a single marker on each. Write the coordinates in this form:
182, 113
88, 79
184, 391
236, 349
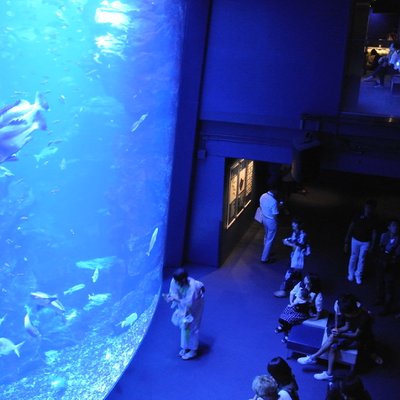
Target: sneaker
190, 354
306, 360
350, 278
182, 352
323, 376
378, 85
358, 280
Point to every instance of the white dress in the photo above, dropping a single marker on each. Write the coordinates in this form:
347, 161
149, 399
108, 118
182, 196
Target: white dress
189, 310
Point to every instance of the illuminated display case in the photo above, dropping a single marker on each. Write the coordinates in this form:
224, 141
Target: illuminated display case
240, 188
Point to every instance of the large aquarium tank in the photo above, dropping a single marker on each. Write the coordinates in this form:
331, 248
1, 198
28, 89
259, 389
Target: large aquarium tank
88, 95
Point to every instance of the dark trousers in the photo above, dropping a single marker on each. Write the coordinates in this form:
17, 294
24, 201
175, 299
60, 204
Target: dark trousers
292, 277
382, 71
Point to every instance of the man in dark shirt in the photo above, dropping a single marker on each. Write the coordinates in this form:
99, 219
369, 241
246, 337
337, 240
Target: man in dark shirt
362, 235
387, 263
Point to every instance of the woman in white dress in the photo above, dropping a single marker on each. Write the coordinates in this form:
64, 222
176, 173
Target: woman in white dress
186, 295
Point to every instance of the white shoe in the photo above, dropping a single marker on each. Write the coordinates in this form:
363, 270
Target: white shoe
182, 352
358, 281
350, 278
306, 360
190, 354
323, 376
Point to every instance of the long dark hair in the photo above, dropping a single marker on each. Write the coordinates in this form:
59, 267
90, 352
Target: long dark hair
315, 282
180, 275
280, 371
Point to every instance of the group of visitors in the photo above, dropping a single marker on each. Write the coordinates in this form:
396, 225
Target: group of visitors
280, 384
348, 327
388, 64
305, 302
350, 324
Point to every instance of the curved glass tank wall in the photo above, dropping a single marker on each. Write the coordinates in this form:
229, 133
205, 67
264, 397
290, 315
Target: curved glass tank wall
89, 89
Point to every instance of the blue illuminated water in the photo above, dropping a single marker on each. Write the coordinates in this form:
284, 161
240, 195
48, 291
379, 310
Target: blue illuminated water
83, 209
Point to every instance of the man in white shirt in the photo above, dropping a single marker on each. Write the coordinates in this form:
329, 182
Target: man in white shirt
395, 58
270, 211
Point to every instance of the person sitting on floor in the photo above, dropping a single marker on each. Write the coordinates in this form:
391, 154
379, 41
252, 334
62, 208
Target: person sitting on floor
283, 375
351, 330
372, 61
266, 388
299, 310
300, 248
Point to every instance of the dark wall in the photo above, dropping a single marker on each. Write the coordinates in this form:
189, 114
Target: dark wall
265, 63
195, 34
269, 61
381, 24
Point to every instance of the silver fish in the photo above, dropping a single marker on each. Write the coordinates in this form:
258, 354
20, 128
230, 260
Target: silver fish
45, 300
99, 263
96, 300
5, 172
71, 315
7, 347
95, 275
29, 327
22, 109
2, 319
46, 152
137, 123
75, 288
152, 241
17, 122
129, 320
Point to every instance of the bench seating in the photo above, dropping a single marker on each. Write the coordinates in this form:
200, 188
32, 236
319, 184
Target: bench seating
307, 338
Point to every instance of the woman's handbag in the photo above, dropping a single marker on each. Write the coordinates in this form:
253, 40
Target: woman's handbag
258, 215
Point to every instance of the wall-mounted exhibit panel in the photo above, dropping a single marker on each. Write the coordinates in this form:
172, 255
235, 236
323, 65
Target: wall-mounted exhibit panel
240, 188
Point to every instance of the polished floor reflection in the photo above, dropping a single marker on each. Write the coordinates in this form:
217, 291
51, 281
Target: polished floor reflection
379, 100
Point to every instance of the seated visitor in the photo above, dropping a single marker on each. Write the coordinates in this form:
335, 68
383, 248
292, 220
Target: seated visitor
372, 60
387, 65
305, 302
283, 375
351, 330
266, 388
